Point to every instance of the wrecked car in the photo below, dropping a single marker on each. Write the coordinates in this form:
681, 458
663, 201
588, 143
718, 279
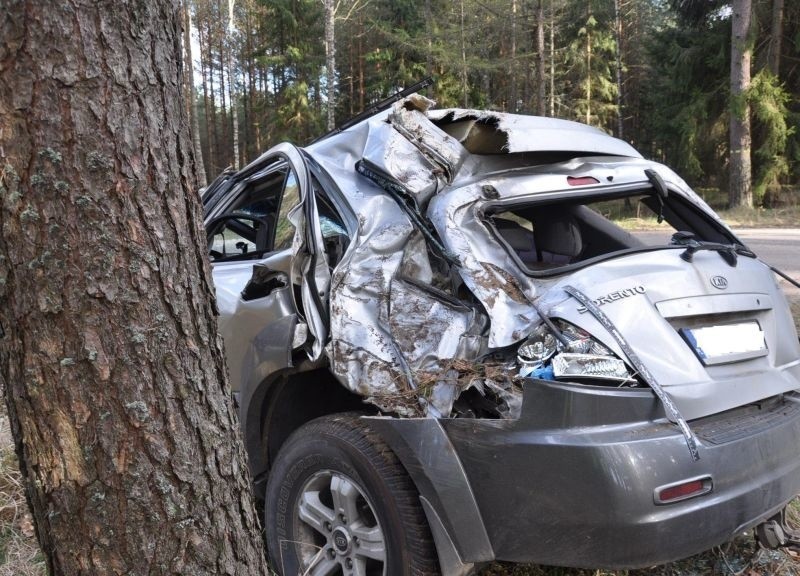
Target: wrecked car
448, 348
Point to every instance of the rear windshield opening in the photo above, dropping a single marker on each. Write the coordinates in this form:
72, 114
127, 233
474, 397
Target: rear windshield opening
554, 235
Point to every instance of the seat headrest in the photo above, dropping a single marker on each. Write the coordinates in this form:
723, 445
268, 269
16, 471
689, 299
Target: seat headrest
558, 234
519, 238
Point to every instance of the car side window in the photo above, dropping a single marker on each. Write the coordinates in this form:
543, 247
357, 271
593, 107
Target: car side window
284, 231
255, 223
335, 237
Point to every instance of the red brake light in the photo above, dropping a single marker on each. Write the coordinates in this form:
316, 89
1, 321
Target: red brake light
581, 180
683, 491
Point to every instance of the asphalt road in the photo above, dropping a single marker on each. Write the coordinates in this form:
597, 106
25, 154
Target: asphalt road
779, 247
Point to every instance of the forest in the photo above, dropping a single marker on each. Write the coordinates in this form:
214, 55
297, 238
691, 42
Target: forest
656, 73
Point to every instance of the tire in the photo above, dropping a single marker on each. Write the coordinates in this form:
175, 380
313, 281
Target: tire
338, 501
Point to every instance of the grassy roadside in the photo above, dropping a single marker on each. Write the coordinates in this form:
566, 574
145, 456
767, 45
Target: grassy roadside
788, 217
19, 552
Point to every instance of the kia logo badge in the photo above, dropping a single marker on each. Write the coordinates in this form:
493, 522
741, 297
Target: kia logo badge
719, 282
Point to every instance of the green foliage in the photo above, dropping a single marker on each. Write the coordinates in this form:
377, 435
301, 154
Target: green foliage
672, 101
768, 100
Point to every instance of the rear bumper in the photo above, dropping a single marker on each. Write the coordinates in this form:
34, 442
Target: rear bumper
572, 482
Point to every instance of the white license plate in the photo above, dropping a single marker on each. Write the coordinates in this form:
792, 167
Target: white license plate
727, 343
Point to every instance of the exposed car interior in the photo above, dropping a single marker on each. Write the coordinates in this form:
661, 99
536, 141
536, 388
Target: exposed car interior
550, 236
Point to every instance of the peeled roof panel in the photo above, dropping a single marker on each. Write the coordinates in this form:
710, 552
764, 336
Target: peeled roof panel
484, 132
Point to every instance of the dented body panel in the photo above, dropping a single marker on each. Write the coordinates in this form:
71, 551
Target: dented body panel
427, 274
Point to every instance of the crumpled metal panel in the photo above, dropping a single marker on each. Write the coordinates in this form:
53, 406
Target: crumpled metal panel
486, 267
386, 330
410, 119
394, 338
390, 151
533, 133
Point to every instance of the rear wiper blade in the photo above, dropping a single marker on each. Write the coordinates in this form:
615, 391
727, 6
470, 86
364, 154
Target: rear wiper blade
729, 252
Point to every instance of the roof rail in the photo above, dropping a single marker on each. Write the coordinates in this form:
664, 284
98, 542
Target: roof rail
378, 107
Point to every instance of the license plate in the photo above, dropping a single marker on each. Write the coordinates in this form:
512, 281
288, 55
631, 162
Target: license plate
727, 343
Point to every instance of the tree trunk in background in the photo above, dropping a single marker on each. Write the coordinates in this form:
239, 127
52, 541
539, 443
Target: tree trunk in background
330, 61
115, 380
463, 60
230, 37
776, 37
618, 36
192, 98
512, 61
588, 66
552, 61
541, 88
740, 190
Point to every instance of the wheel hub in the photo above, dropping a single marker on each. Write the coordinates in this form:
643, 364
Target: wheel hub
342, 541
338, 532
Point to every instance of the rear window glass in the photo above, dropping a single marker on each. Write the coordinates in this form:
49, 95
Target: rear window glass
548, 236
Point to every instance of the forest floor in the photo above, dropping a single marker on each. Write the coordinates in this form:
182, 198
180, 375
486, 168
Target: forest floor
20, 554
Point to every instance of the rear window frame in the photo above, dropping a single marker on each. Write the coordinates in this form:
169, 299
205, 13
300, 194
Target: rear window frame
714, 229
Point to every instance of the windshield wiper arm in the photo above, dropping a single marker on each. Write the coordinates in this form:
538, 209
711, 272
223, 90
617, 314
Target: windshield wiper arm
729, 252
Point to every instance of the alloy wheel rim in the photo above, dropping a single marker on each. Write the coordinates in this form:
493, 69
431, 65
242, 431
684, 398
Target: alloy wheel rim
338, 531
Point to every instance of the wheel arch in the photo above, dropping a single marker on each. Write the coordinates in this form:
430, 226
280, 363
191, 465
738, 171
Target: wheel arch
281, 404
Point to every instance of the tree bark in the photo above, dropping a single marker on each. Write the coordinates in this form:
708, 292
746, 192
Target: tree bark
552, 60
191, 97
116, 386
588, 65
776, 37
463, 60
618, 34
330, 60
541, 88
512, 62
233, 93
740, 187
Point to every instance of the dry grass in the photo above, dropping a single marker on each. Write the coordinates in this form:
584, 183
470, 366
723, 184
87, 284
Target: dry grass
787, 217
19, 551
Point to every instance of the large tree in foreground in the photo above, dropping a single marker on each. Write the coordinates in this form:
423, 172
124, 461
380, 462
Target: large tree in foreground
110, 357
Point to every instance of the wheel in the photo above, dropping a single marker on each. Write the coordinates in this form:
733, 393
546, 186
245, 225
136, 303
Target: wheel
338, 501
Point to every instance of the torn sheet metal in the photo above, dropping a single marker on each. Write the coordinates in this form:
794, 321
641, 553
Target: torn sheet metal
392, 153
484, 132
486, 267
399, 336
410, 119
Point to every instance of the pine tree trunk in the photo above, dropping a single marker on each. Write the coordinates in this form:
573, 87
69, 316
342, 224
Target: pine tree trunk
512, 61
463, 60
740, 187
588, 76
190, 96
618, 34
116, 386
552, 60
232, 92
541, 87
776, 37
330, 61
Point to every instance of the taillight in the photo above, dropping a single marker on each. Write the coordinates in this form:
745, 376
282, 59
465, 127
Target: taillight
682, 490
581, 180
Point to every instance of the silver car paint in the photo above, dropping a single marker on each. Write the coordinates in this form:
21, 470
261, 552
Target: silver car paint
388, 330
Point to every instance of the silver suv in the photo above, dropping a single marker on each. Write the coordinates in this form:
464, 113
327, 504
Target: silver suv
448, 347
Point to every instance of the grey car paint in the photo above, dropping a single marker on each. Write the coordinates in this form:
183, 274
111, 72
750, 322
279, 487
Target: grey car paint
568, 478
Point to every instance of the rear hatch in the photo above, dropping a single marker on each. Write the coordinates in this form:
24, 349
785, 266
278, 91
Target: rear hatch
695, 325
701, 312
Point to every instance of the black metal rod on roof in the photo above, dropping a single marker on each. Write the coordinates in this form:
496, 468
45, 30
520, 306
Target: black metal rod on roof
378, 107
